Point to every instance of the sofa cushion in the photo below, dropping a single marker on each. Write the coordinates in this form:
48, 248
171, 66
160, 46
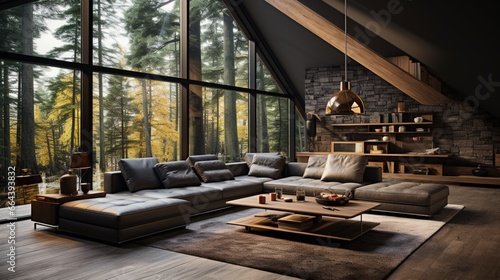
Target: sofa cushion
176, 174
344, 168
192, 160
249, 157
213, 171
270, 166
139, 174
315, 167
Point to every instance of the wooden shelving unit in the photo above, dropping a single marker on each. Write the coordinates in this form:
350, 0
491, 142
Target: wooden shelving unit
409, 143
403, 155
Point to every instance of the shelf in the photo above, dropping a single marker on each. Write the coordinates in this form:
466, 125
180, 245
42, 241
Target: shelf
395, 132
308, 154
410, 155
379, 124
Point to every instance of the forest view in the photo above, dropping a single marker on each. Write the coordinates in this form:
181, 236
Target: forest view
40, 112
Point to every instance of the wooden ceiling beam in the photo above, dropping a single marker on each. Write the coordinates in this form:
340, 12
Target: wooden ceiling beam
335, 36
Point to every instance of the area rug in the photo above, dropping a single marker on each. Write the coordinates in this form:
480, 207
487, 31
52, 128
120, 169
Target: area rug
374, 255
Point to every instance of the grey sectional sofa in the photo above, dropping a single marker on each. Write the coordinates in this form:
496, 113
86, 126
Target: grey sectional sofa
146, 197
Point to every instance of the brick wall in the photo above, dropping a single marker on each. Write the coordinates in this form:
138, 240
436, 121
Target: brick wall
470, 134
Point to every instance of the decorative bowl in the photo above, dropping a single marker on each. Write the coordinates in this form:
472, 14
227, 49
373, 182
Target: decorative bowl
330, 198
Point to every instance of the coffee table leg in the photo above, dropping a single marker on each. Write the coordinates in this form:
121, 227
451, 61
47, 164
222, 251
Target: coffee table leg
361, 222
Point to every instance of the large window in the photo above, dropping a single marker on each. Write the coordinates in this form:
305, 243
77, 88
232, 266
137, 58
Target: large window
272, 124
132, 94
137, 35
218, 50
219, 123
135, 118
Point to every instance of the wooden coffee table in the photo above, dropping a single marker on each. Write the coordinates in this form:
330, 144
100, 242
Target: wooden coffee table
335, 224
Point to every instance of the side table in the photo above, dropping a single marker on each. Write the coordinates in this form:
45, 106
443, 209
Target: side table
45, 209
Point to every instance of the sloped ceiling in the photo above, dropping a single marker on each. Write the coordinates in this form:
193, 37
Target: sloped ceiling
457, 41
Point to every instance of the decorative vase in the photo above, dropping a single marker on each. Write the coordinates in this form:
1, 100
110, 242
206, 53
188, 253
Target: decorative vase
68, 184
85, 188
479, 171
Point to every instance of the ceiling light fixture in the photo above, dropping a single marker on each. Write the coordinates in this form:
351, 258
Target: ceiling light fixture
345, 101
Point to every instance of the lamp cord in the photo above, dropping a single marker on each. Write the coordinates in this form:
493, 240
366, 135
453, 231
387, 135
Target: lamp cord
345, 33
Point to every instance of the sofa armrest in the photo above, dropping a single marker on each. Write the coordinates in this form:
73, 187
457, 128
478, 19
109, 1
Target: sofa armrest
239, 168
372, 174
114, 182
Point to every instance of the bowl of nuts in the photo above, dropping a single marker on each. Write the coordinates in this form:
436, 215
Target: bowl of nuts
331, 198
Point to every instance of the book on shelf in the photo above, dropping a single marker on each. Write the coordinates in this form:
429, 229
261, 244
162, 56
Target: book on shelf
296, 222
273, 216
390, 166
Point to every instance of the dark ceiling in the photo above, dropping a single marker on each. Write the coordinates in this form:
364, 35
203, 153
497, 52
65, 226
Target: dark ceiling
457, 41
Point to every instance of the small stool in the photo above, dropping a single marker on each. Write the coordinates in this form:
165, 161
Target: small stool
406, 197
120, 218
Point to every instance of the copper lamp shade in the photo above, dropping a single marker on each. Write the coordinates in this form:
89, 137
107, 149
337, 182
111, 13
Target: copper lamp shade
345, 102
79, 160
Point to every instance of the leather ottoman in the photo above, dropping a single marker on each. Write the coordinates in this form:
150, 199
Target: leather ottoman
120, 218
406, 197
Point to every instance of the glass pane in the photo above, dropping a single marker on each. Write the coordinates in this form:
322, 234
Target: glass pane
218, 123
135, 118
141, 35
44, 28
218, 50
40, 124
272, 124
265, 81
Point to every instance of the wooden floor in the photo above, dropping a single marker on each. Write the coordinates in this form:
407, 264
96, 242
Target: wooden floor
466, 248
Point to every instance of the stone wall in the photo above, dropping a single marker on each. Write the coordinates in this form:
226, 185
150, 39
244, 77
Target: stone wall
469, 134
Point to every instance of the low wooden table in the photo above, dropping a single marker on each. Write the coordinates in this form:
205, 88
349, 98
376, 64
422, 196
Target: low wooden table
45, 209
334, 224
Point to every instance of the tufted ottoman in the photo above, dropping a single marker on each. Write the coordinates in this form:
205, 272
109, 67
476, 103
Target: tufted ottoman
119, 218
406, 197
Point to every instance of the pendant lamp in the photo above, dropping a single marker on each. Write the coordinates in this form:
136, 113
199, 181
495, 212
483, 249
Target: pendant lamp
345, 101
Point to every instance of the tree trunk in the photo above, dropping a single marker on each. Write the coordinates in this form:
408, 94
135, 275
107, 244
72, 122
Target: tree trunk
6, 158
196, 134
230, 125
102, 148
28, 156
147, 135
262, 132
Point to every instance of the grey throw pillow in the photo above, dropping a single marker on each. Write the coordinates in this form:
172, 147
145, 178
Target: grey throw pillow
176, 174
270, 166
344, 168
139, 174
213, 171
315, 167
